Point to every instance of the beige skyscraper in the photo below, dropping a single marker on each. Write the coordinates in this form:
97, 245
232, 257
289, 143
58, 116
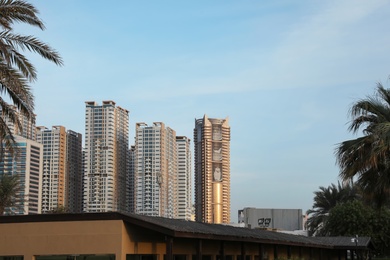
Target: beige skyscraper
212, 170
54, 170
62, 169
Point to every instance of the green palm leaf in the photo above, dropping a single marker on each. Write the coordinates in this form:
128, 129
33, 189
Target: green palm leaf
366, 159
16, 71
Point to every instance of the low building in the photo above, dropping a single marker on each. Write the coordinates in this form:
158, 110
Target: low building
275, 219
118, 236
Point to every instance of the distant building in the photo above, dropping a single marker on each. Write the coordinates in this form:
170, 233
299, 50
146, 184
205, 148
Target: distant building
74, 168
130, 199
54, 167
155, 170
28, 165
212, 170
184, 184
281, 219
27, 129
106, 148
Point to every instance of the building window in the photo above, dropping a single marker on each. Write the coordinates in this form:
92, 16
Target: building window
76, 257
141, 257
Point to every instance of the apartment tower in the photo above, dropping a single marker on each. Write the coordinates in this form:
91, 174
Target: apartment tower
155, 170
74, 180
54, 169
26, 128
212, 170
130, 195
184, 184
28, 166
106, 148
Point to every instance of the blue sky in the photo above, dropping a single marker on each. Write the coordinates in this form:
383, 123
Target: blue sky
284, 72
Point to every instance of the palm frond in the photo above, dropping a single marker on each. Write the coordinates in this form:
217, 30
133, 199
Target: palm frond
18, 11
366, 159
31, 43
10, 187
14, 84
11, 57
7, 140
16, 71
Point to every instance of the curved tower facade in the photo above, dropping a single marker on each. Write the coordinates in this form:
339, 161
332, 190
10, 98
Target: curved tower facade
212, 170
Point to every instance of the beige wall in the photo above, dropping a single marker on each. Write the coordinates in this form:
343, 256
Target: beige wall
115, 237
59, 238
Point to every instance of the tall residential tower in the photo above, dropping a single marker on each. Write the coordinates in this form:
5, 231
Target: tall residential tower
28, 166
212, 170
54, 169
155, 170
74, 180
106, 148
184, 191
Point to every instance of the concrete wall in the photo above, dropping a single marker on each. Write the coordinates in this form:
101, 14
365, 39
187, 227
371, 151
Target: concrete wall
114, 237
61, 238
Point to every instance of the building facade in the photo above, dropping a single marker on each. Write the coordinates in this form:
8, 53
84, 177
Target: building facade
155, 170
131, 179
111, 235
106, 148
26, 128
280, 219
212, 170
28, 165
184, 183
54, 167
74, 169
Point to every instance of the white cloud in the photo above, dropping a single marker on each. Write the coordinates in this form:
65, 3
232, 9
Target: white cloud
319, 48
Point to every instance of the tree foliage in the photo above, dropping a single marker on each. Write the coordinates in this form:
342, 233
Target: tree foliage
59, 210
348, 219
340, 211
355, 218
10, 192
325, 199
16, 71
366, 159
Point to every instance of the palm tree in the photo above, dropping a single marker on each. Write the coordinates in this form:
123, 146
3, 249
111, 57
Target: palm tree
326, 199
16, 71
366, 159
9, 192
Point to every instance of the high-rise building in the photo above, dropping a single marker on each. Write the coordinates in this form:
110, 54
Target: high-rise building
131, 180
106, 148
155, 170
74, 181
54, 167
28, 166
212, 170
184, 191
27, 129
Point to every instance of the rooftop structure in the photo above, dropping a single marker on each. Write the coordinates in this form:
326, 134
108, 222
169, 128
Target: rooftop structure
129, 236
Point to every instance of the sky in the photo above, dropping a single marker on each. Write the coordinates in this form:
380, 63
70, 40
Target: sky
284, 72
